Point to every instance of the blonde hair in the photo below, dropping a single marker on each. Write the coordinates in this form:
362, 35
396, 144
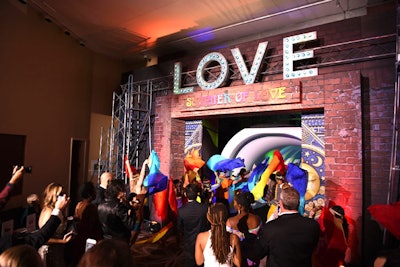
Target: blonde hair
220, 242
21, 256
50, 195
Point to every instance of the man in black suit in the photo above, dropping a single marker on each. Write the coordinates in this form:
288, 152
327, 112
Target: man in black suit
192, 219
290, 239
105, 178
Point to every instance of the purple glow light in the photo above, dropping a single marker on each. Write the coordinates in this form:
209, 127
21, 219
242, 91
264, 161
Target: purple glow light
202, 35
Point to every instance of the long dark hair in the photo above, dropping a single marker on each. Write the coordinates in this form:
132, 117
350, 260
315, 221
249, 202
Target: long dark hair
220, 242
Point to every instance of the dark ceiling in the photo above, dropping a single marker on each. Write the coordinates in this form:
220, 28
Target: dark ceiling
132, 30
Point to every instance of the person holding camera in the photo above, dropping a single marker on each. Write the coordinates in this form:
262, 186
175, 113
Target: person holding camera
53, 250
5, 193
37, 238
50, 196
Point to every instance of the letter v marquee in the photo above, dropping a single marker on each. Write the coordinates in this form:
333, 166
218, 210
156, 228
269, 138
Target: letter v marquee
248, 78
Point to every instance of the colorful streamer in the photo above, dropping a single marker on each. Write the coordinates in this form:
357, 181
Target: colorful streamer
155, 180
277, 163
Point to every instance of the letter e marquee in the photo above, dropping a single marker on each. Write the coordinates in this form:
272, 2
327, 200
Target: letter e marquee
289, 56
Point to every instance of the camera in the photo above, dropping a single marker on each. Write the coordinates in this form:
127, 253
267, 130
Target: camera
28, 169
152, 226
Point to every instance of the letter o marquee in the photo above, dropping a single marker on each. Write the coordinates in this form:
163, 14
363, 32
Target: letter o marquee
214, 56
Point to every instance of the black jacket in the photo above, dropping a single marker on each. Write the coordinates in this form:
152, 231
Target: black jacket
287, 241
100, 191
192, 219
117, 220
35, 239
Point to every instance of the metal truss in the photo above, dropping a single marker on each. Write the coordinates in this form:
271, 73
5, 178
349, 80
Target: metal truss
130, 132
324, 56
360, 50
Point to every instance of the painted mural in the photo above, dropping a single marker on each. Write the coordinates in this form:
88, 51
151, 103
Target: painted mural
313, 161
301, 150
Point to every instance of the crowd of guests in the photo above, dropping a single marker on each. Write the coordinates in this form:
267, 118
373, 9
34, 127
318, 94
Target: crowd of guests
243, 238
111, 215
270, 232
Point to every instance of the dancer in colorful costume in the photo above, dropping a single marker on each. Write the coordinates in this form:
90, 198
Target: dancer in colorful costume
156, 184
222, 168
137, 195
192, 163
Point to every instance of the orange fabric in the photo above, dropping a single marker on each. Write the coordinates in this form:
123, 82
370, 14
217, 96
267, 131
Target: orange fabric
160, 205
172, 198
222, 191
193, 161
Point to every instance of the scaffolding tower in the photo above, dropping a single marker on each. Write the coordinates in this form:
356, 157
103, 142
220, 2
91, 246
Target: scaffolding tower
130, 132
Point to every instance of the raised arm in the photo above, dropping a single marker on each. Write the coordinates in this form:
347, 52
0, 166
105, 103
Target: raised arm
42, 235
139, 184
236, 179
16, 176
128, 168
131, 175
